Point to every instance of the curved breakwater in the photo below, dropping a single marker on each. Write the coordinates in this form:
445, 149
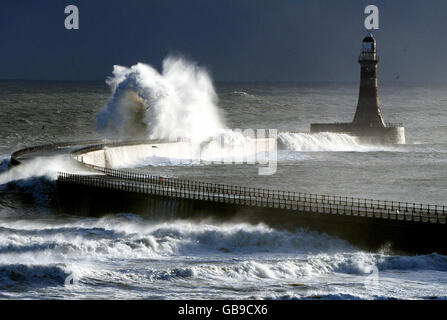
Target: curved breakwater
101, 189
101, 157
321, 212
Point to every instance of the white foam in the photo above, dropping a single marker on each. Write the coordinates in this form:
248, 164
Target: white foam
124, 238
231, 255
326, 141
41, 167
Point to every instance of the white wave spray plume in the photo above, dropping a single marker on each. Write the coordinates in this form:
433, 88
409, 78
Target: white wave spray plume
179, 102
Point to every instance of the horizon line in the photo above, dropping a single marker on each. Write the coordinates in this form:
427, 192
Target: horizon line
235, 81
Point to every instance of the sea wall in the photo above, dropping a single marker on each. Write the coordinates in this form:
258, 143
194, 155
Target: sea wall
361, 228
116, 155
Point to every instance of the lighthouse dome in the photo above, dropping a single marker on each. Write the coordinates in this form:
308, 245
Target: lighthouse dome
369, 38
369, 44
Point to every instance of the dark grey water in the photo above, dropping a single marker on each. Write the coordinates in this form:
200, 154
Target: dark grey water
127, 256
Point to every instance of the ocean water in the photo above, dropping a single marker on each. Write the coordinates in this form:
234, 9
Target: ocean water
125, 255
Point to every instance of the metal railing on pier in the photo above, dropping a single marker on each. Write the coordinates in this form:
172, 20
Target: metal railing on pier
259, 197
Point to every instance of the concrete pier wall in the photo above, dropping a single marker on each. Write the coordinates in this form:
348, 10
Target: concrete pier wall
368, 233
114, 156
117, 156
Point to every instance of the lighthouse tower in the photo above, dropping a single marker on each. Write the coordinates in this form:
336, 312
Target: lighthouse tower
368, 107
368, 124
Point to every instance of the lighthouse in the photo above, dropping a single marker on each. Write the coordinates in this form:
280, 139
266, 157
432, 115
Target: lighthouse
368, 107
368, 124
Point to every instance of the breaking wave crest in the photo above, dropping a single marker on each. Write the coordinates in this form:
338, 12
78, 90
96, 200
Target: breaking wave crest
37, 177
324, 141
32, 276
40, 167
122, 239
130, 236
37, 253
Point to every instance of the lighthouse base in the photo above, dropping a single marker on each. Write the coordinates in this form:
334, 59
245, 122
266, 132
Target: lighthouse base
383, 135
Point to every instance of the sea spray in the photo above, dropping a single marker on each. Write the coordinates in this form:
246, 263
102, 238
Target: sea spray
325, 141
178, 102
41, 167
231, 256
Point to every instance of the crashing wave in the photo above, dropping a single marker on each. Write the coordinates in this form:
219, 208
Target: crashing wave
179, 102
324, 141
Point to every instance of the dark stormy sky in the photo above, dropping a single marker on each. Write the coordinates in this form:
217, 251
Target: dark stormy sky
236, 40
